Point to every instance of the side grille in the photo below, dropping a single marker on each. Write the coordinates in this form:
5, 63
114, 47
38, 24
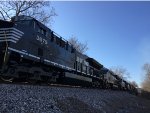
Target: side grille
10, 34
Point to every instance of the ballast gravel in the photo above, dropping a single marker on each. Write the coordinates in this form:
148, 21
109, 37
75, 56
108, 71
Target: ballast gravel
52, 99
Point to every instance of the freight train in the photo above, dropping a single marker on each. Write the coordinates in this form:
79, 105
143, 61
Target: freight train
31, 51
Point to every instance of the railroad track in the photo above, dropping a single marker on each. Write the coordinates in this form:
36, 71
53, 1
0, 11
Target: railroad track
39, 83
42, 83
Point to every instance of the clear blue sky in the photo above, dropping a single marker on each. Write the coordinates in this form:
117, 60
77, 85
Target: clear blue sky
117, 33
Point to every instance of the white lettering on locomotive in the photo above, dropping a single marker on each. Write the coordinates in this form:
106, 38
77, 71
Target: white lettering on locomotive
41, 40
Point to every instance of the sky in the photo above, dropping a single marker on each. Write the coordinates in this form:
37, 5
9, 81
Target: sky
117, 33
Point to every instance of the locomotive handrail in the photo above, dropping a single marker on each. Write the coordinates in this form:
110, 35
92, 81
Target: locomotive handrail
56, 34
4, 60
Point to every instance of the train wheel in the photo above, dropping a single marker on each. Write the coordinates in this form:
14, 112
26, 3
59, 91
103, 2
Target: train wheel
7, 79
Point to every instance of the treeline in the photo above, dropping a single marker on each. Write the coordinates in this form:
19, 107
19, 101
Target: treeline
146, 81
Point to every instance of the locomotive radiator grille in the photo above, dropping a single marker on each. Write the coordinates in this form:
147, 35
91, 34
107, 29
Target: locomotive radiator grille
10, 34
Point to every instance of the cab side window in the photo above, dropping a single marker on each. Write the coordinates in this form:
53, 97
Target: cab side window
42, 31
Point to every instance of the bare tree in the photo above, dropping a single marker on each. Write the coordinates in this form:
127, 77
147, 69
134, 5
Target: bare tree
146, 82
134, 84
41, 10
81, 47
121, 71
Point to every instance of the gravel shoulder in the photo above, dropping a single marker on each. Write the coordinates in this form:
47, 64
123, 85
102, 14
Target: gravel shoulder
46, 99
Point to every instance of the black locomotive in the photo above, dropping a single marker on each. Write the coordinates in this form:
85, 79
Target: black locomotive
29, 50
